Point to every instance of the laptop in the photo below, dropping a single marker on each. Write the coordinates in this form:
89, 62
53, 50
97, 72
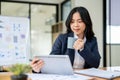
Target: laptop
56, 64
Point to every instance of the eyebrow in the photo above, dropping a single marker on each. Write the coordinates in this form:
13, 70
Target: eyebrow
77, 19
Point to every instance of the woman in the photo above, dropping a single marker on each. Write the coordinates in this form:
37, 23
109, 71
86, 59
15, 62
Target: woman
85, 53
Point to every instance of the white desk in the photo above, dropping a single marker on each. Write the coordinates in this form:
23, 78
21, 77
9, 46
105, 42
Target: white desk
6, 75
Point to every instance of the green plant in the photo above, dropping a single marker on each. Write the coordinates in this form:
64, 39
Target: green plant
18, 69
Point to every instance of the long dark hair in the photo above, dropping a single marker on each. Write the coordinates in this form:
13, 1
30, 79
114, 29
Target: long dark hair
85, 18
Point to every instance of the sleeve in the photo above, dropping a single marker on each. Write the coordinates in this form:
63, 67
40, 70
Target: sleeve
57, 46
35, 72
91, 54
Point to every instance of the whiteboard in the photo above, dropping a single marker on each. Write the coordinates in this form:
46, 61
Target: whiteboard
14, 40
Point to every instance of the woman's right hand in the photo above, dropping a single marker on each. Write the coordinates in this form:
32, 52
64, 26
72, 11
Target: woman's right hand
36, 64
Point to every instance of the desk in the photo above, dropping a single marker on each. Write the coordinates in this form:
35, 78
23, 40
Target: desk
6, 76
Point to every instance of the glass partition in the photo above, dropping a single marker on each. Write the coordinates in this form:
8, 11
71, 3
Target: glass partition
42, 18
14, 9
113, 31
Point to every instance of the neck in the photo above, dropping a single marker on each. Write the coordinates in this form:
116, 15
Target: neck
81, 36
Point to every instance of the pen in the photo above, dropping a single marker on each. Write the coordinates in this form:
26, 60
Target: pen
30, 59
35, 61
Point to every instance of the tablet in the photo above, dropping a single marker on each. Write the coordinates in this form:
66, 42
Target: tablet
56, 64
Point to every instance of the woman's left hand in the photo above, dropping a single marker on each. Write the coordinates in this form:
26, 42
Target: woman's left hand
79, 44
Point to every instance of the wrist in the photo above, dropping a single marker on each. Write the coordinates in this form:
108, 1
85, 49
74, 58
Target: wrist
35, 71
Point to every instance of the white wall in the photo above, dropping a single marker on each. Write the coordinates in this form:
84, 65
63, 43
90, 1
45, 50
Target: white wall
95, 8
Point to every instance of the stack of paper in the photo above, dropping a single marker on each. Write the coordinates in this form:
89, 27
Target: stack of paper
99, 73
115, 69
57, 77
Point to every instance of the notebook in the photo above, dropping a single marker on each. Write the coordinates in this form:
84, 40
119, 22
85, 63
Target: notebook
99, 73
56, 64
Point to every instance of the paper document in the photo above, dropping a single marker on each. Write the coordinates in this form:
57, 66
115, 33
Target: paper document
99, 73
57, 77
115, 69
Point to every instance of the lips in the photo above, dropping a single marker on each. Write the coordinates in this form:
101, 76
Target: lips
76, 30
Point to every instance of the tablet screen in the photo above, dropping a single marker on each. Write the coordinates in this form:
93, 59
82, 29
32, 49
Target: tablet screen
56, 64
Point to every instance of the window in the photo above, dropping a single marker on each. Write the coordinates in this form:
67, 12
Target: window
14, 9
113, 31
42, 17
113, 22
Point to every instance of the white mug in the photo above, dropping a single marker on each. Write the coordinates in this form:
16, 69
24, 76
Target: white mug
70, 42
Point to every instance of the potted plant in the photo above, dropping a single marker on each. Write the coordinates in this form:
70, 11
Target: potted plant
19, 71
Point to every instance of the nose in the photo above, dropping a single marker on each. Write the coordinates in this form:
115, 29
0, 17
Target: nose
76, 24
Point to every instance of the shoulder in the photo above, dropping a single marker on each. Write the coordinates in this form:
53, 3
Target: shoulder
61, 37
93, 40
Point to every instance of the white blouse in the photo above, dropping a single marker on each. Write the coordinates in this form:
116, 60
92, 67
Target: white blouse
78, 60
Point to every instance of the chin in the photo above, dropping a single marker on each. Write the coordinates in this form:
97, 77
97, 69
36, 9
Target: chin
76, 33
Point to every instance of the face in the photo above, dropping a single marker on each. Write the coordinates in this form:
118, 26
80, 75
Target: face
77, 25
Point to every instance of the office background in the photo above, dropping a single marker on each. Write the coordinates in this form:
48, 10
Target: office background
47, 19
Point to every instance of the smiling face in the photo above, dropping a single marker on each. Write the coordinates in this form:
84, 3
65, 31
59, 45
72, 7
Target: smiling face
77, 25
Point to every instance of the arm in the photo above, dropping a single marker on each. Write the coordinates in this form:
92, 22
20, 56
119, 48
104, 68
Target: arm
58, 46
91, 54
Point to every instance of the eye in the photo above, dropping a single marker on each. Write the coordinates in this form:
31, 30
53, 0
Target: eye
72, 21
80, 21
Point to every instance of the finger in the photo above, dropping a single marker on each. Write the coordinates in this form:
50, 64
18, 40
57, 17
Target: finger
41, 64
33, 65
35, 60
75, 47
80, 40
38, 67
